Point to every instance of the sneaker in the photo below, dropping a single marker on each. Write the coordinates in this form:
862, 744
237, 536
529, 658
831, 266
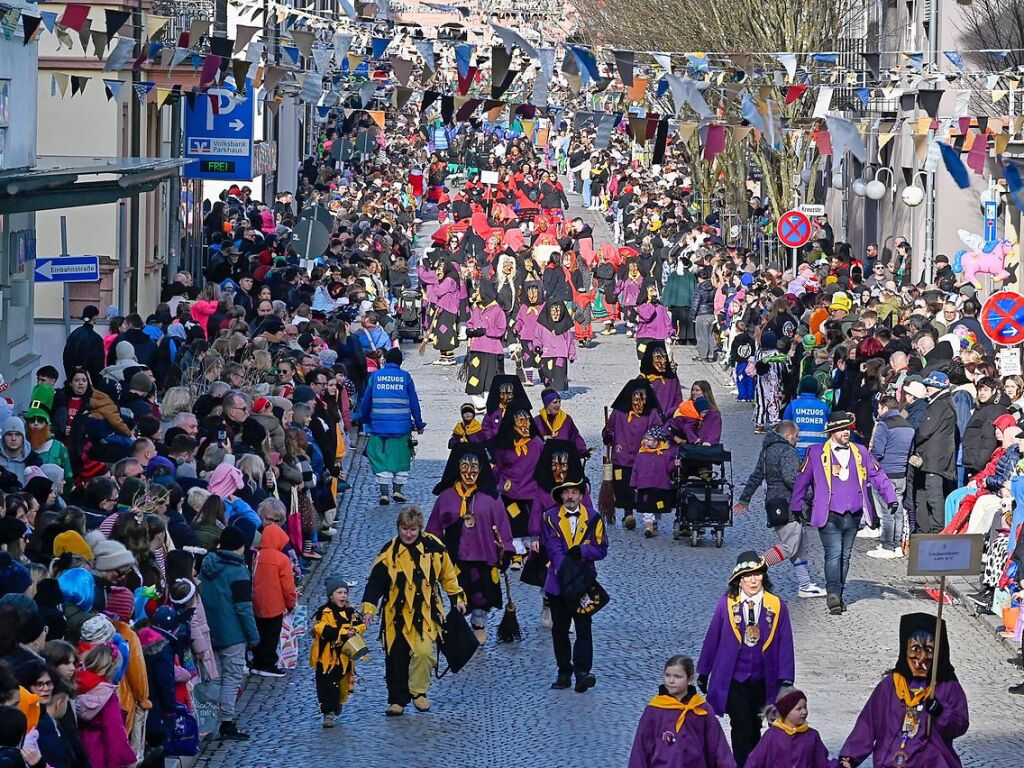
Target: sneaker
422, 703
394, 710
812, 590
881, 553
481, 634
311, 554
868, 533
835, 605
649, 532
398, 497
585, 682
328, 721
229, 732
384, 500
562, 682
545, 617
270, 672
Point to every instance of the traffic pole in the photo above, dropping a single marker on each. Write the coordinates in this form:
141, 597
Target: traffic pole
67, 287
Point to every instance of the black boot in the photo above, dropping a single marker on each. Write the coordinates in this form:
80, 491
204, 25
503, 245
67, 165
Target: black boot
229, 732
562, 682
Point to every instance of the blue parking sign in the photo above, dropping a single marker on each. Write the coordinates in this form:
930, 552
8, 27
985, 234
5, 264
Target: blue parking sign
219, 134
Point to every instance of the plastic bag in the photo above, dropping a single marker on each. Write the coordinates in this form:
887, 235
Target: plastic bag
293, 627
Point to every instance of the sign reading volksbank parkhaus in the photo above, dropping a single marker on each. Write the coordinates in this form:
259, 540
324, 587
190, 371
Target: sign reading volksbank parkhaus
219, 125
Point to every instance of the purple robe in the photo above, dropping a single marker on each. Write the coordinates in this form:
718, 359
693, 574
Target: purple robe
629, 291
492, 319
669, 393
700, 743
526, 323
443, 293
707, 430
476, 544
567, 431
878, 730
594, 546
720, 654
653, 322
490, 424
627, 434
515, 475
458, 437
846, 496
556, 345
653, 470
777, 749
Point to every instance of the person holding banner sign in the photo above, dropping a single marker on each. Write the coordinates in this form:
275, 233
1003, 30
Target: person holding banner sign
917, 710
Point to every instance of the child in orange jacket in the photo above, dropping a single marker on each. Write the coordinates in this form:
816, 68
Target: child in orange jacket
273, 595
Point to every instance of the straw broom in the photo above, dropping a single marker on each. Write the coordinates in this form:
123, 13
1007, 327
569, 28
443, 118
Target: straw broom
606, 496
508, 629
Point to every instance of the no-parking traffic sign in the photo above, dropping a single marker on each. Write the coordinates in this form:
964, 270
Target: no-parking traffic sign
1002, 317
793, 229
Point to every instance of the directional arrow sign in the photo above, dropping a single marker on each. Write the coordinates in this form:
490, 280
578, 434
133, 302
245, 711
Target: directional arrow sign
237, 124
67, 269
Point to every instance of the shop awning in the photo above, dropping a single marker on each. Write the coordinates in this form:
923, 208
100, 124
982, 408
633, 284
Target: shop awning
73, 182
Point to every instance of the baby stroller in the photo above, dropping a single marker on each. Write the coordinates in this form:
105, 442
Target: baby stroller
410, 315
704, 492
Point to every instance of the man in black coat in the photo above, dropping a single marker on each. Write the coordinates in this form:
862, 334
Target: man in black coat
84, 347
934, 457
980, 434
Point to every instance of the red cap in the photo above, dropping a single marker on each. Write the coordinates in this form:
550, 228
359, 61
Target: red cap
1004, 421
260, 404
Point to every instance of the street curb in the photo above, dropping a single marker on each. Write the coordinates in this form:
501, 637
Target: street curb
962, 588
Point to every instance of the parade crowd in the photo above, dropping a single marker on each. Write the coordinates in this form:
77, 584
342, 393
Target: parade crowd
168, 494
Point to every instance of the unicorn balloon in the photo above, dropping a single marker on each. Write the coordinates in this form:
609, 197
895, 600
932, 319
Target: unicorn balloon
982, 257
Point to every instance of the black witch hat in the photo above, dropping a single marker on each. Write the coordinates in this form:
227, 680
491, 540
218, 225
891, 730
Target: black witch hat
506, 379
563, 450
486, 482
559, 326
623, 402
526, 287
647, 362
914, 623
506, 434
488, 292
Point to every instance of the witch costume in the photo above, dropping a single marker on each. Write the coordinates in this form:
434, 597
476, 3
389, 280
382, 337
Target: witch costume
516, 451
652, 319
443, 283
505, 389
633, 412
679, 733
526, 327
471, 521
557, 342
656, 367
904, 723
486, 332
559, 461
747, 654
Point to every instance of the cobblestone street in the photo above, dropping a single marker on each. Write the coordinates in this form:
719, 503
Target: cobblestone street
499, 711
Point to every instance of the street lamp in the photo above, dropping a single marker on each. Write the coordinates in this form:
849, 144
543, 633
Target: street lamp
913, 195
875, 189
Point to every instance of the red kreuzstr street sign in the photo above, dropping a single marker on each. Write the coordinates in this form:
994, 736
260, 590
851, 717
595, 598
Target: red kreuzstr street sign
793, 229
1002, 318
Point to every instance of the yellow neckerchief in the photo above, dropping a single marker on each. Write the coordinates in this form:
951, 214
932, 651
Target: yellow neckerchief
904, 694
653, 377
826, 461
769, 602
533, 309
789, 730
521, 444
631, 415
559, 420
565, 527
664, 701
662, 447
465, 430
464, 494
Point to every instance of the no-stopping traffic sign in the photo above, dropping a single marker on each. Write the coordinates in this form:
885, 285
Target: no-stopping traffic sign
793, 229
1002, 317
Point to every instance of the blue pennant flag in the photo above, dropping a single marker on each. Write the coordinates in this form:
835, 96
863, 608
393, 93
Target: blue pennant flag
197, 60
154, 50
955, 165
661, 89
864, 94
463, 55
954, 59
750, 113
825, 58
49, 19
380, 44
587, 62
698, 61
291, 52
1016, 184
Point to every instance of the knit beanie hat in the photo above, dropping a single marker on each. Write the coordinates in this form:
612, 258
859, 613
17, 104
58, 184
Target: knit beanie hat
72, 541
111, 555
332, 583
231, 539
97, 630
30, 626
14, 577
788, 701
120, 603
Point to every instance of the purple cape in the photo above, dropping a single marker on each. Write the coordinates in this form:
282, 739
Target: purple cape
878, 729
476, 544
777, 749
721, 649
653, 470
700, 743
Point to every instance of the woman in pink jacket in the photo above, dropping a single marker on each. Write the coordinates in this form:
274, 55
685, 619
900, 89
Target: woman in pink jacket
204, 307
99, 713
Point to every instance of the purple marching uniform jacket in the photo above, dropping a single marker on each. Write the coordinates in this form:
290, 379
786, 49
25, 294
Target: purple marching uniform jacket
669, 393
492, 319
724, 656
628, 433
879, 728
555, 535
833, 494
653, 322
778, 749
476, 544
563, 428
444, 293
699, 742
515, 474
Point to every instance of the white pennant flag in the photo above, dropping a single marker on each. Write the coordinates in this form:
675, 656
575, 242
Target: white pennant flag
664, 60
510, 37
342, 42
684, 91
824, 101
321, 55
254, 53
426, 51
312, 85
846, 136
120, 55
788, 60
